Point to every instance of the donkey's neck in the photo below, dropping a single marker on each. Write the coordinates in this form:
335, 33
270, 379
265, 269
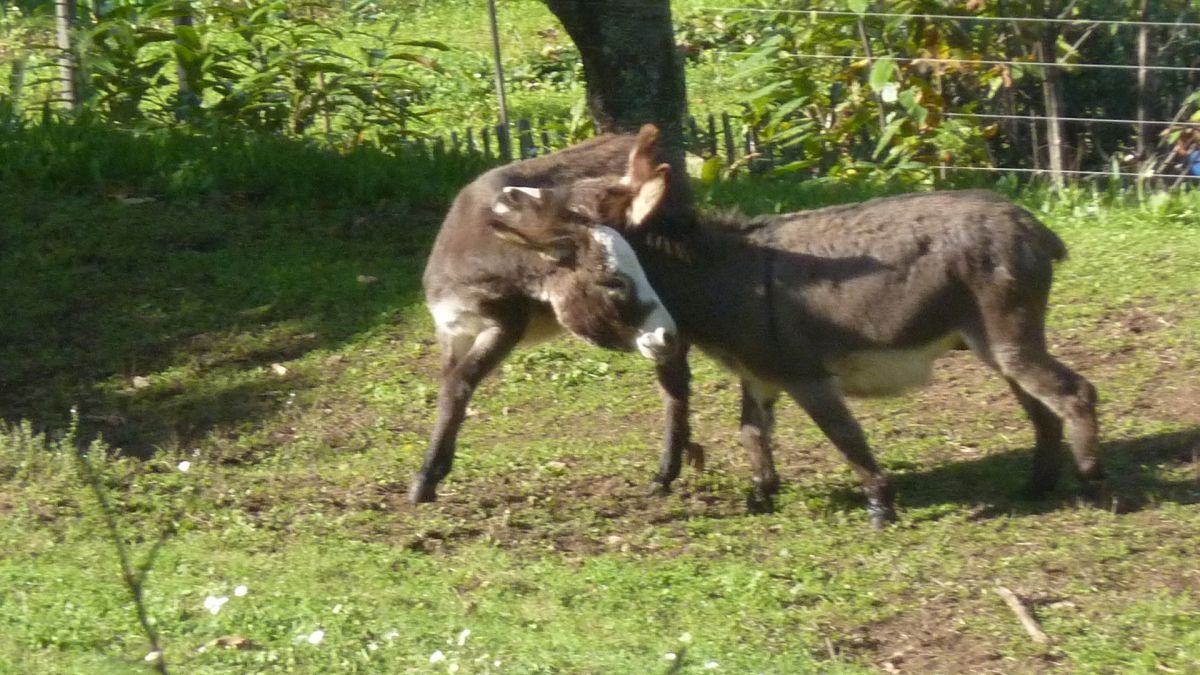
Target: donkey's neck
712, 281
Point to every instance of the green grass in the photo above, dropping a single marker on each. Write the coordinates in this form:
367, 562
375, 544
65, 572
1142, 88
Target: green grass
163, 323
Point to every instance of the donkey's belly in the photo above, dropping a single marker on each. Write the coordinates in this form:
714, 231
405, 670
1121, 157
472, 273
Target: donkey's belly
542, 326
885, 372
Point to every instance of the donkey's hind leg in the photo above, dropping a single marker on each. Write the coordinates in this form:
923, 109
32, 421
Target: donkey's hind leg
1069, 396
461, 374
1047, 449
1015, 344
823, 402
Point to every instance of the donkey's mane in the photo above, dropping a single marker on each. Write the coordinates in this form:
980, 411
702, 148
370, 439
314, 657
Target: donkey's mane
706, 231
732, 221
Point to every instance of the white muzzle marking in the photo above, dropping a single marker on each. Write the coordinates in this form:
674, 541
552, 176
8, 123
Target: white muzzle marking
656, 336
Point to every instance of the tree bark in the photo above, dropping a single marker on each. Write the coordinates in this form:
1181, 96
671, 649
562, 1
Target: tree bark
634, 73
1143, 82
64, 22
16, 83
1052, 92
188, 99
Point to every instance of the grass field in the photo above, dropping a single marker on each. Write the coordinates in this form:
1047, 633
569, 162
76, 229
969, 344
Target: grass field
284, 353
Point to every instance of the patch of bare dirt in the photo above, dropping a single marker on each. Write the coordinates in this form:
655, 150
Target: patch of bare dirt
934, 638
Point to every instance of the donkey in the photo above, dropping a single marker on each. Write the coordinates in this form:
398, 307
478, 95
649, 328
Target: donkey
854, 300
512, 265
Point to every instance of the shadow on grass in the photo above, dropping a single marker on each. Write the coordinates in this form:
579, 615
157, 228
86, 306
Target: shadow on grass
154, 296
993, 484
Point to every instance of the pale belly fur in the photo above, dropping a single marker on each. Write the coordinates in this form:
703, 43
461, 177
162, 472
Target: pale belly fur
885, 372
459, 323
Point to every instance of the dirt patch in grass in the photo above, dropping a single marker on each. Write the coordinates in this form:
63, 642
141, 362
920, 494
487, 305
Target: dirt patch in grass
933, 638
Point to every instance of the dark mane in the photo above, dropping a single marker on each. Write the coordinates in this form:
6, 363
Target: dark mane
732, 221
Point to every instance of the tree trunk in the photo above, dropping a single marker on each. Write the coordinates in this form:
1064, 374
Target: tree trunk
16, 83
64, 22
189, 100
634, 73
1052, 92
1143, 83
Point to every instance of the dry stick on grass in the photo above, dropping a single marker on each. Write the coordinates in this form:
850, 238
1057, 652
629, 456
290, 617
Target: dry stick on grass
134, 579
1028, 622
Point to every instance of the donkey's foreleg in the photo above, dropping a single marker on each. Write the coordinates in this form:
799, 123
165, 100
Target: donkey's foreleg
674, 379
757, 423
462, 374
823, 402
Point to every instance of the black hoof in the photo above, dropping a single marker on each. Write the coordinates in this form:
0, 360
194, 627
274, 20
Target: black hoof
1098, 493
881, 505
422, 491
881, 516
658, 489
760, 502
1035, 490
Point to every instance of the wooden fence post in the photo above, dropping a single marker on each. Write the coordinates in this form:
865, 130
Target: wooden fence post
504, 142
525, 139
730, 152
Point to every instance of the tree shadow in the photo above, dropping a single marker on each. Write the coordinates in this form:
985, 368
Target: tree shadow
992, 485
161, 319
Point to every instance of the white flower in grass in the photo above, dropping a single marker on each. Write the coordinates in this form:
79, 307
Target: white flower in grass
712, 665
154, 656
686, 638
462, 637
436, 657
391, 635
453, 668
670, 656
241, 591
184, 466
213, 604
315, 637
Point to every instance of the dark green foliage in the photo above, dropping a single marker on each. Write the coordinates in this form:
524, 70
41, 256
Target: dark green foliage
89, 156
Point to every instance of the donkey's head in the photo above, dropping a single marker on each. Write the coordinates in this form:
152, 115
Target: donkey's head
596, 286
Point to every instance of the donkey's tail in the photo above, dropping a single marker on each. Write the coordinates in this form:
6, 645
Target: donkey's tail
1044, 240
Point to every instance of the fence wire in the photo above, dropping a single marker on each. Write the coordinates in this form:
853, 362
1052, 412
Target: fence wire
955, 17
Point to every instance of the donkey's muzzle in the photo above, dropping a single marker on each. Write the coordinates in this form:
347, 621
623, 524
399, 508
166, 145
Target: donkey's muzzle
659, 344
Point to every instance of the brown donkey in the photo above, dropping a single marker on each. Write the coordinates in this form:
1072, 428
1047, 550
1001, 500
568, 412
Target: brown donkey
853, 300
511, 264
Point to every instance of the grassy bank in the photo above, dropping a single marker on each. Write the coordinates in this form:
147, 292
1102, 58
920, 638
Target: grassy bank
279, 346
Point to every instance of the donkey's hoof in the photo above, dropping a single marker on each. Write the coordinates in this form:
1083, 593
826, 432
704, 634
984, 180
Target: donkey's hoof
658, 489
881, 515
760, 502
422, 491
1035, 490
1098, 493
880, 520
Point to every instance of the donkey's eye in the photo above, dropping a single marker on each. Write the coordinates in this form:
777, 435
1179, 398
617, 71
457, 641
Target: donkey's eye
619, 286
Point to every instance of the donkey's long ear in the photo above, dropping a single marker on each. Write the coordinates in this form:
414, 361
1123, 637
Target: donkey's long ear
524, 216
642, 164
648, 195
646, 178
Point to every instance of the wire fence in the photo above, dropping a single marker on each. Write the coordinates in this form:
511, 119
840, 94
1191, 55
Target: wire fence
725, 134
